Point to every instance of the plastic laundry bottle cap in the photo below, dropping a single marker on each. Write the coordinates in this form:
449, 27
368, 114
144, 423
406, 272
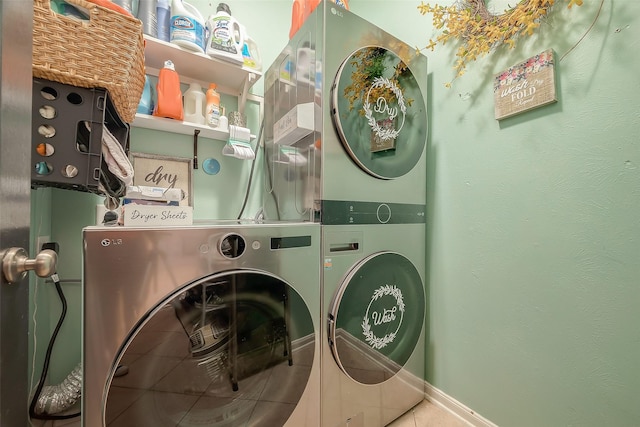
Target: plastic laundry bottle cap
169, 64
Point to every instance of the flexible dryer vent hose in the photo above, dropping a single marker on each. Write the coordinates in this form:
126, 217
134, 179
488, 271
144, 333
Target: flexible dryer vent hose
58, 398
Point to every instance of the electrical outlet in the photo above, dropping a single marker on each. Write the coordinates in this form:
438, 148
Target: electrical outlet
41, 240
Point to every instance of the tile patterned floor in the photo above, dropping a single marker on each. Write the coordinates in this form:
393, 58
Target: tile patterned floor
426, 414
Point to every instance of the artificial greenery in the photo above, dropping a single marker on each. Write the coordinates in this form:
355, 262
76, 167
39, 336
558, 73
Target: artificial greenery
368, 65
480, 31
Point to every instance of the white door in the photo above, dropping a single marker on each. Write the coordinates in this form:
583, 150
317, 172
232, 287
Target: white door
15, 159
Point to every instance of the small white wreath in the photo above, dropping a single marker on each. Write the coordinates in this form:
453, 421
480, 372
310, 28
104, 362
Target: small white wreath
384, 134
374, 341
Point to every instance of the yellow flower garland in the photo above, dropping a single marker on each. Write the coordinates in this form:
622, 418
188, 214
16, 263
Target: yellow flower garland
481, 31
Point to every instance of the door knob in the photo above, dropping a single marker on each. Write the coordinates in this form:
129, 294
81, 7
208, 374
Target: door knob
16, 263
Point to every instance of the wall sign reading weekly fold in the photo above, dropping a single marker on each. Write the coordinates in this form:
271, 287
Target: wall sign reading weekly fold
525, 86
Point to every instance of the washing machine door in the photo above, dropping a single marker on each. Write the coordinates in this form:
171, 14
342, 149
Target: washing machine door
376, 317
379, 112
231, 349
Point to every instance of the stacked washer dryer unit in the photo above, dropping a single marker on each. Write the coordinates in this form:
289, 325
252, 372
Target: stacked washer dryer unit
346, 131
208, 325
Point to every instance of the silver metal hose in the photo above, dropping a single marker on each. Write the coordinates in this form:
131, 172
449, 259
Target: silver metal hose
58, 398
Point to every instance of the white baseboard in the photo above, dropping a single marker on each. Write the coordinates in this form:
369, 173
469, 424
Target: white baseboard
451, 405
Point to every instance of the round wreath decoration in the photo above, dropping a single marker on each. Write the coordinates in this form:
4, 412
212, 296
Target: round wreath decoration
384, 134
381, 342
481, 31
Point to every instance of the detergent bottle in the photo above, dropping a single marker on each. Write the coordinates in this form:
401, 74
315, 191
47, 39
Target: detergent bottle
147, 102
225, 35
300, 12
301, 9
213, 106
297, 16
194, 104
148, 14
169, 103
250, 52
187, 26
163, 15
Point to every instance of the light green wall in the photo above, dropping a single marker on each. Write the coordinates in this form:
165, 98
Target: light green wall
60, 215
217, 196
534, 238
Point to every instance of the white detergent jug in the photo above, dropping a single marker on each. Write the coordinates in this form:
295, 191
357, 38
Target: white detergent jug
225, 36
194, 104
187, 26
250, 53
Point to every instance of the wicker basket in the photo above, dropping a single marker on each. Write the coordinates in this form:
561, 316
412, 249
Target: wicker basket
106, 51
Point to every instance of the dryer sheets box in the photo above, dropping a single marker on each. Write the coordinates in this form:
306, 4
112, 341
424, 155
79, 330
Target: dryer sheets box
296, 124
150, 215
142, 192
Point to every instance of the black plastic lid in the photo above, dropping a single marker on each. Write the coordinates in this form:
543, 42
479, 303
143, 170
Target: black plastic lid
223, 7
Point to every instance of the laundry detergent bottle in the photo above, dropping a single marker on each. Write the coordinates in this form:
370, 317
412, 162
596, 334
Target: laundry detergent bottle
194, 104
163, 14
213, 106
147, 100
169, 103
297, 16
187, 26
225, 35
250, 53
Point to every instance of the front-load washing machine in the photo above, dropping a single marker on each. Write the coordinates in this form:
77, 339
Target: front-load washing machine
345, 119
373, 346
203, 325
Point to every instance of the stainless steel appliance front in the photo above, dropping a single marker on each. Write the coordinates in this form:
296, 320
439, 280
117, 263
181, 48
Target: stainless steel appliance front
345, 118
346, 135
211, 325
373, 348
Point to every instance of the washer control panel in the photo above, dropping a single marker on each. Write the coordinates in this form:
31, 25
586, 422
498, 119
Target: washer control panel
337, 212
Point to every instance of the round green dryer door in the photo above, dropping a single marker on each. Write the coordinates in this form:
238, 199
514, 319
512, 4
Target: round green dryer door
376, 317
379, 112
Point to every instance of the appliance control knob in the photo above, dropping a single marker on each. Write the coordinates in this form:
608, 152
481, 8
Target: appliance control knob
383, 213
232, 246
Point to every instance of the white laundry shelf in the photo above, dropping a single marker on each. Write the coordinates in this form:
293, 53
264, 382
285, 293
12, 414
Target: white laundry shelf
176, 126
